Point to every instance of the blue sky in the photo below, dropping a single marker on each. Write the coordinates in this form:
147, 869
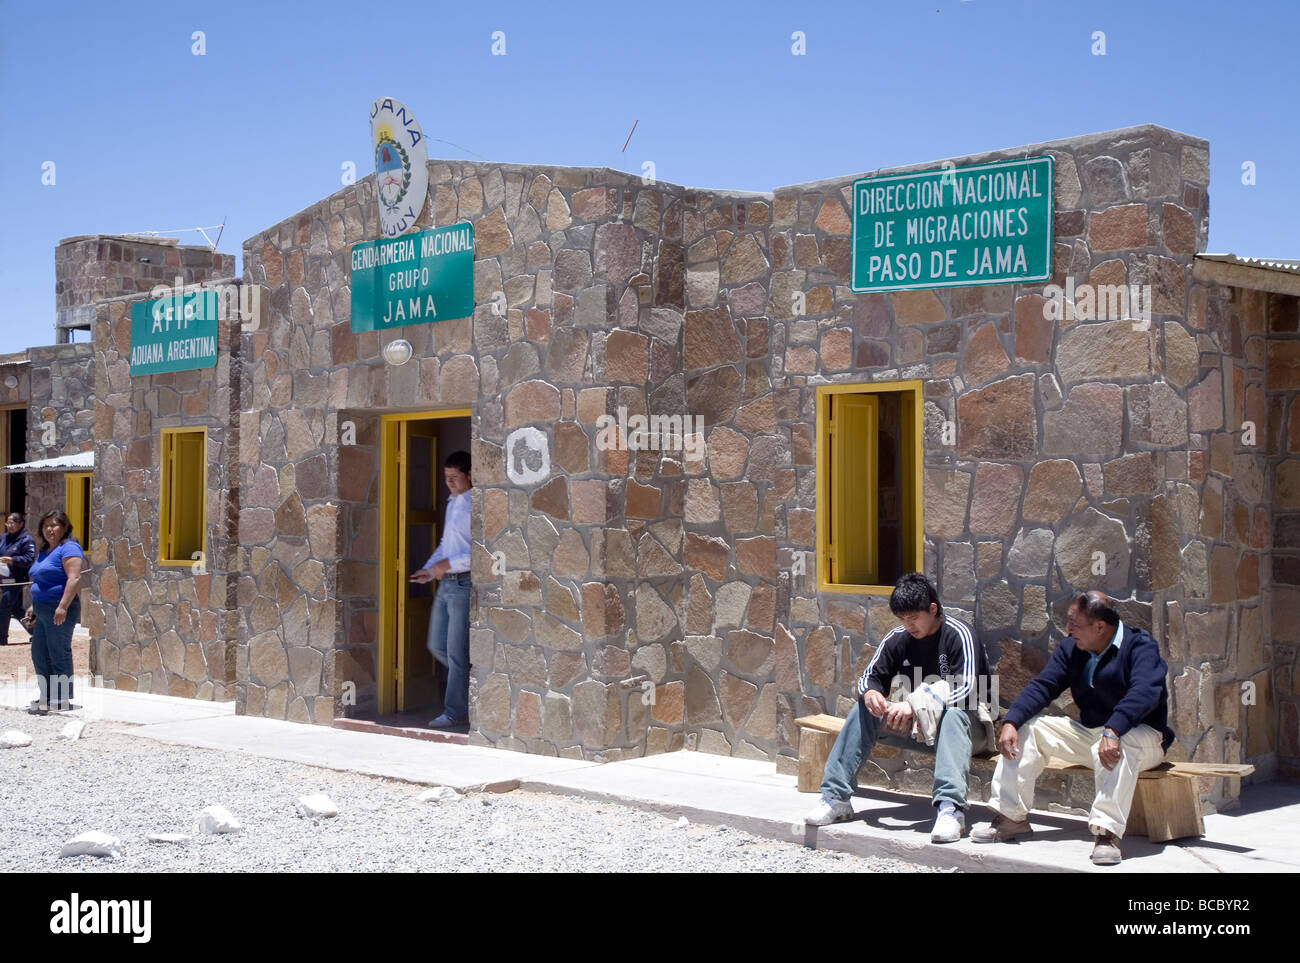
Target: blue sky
145, 135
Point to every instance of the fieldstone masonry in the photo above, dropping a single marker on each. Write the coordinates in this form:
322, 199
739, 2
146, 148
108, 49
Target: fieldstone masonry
95, 267
58, 383
649, 600
156, 628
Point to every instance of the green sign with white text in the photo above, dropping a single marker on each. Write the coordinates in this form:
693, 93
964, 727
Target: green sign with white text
952, 227
174, 334
413, 279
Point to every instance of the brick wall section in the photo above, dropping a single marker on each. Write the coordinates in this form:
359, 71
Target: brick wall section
99, 267
167, 630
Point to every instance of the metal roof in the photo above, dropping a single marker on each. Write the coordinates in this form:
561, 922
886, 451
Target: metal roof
1291, 266
81, 461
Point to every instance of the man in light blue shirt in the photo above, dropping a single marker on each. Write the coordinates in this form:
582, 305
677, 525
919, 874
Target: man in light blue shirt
449, 620
1095, 657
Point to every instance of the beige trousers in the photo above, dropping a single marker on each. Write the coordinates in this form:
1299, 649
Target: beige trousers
1057, 737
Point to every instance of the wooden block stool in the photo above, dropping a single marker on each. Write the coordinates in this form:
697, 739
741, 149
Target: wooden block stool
1166, 804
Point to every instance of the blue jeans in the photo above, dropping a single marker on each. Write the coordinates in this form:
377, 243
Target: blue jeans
11, 606
861, 729
449, 641
52, 651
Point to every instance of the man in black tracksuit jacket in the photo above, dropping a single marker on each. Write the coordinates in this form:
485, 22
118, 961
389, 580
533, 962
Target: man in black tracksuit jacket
927, 647
1117, 679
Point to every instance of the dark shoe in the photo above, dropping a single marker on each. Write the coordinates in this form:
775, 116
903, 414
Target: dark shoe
1105, 851
445, 721
1000, 830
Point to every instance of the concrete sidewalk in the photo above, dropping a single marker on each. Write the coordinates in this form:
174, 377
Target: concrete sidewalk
747, 794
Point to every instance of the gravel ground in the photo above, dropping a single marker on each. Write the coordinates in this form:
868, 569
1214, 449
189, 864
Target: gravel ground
129, 787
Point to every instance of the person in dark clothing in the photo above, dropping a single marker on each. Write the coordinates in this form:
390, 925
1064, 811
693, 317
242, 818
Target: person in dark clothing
928, 645
17, 551
1117, 678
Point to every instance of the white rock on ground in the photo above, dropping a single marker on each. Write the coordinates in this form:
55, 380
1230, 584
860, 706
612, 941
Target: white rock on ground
217, 819
439, 794
682, 823
92, 843
73, 730
13, 739
169, 837
317, 805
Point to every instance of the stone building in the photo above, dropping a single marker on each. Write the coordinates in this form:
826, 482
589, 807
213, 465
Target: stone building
634, 602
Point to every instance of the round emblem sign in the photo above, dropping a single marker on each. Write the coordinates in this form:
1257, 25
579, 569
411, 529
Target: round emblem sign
401, 165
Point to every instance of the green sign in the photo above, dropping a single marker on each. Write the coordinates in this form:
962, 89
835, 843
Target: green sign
413, 279
174, 334
957, 226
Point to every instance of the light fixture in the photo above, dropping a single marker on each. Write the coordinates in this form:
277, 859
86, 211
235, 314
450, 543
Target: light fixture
398, 352
11, 382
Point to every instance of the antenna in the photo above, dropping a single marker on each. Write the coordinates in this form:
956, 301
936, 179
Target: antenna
219, 228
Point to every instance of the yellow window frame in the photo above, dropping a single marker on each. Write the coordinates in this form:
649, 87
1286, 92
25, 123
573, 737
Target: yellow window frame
848, 486
76, 502
183, 456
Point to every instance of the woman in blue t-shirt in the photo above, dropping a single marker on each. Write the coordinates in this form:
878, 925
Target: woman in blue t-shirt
56, 580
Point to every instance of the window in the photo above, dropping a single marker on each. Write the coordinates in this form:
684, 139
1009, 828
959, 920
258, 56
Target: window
182, 496
869, 456
76, 503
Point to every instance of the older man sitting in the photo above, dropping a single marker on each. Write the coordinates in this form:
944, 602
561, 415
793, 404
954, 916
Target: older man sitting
1117, 678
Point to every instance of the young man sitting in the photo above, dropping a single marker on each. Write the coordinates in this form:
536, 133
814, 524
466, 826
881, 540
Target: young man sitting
927, 644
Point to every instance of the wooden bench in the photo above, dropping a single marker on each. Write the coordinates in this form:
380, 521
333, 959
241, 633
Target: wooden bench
1166, 805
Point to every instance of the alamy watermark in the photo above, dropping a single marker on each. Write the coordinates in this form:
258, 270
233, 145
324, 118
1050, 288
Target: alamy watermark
237, 301
1099, 302
683, 433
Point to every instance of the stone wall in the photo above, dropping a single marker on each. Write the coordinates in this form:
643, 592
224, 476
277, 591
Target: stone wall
158, 628
99, 267
648, 600
307, 619
1073, 436
59, 392
1281, 362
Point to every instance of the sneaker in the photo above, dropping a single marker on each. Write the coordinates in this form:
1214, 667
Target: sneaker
1105, 851
36, 709
1000, 830
829, 811
949, 826
445, 721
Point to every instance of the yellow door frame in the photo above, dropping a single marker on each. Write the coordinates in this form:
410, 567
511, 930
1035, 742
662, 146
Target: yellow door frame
394, 568
913, 456
76, 502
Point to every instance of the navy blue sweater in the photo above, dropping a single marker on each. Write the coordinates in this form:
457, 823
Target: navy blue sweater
1128, 686
22, 550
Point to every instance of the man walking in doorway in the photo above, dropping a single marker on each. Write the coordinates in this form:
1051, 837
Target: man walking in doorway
449, 620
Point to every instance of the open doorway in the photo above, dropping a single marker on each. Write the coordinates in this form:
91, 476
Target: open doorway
412, 501
13, 447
